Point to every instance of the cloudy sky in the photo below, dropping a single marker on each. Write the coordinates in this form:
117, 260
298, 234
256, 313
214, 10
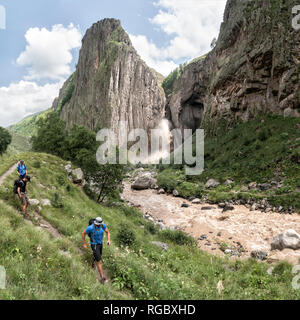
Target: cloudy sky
41, 41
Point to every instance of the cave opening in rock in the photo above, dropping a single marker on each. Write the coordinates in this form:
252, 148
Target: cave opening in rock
191, 114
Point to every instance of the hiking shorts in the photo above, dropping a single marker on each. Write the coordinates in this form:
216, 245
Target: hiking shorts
97, 251
24, 199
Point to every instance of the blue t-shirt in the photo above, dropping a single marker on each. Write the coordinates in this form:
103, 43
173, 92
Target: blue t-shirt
22, 169
96, 233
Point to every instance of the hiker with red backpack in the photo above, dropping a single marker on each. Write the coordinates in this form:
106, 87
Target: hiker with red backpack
96, 231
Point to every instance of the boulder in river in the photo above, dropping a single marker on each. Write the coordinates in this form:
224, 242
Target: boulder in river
288, 239
144, 181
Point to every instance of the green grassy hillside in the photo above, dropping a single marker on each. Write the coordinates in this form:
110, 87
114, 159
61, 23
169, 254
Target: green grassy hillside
139, 270
27, 126
19, 144
262, 150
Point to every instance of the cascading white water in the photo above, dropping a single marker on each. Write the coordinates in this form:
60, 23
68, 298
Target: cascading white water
159, 144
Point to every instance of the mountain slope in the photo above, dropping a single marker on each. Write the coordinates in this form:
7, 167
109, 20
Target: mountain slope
27, 126
111, 83
254, 67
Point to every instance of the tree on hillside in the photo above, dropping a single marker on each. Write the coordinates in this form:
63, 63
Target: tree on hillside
5, 140
51, 135
106, 180
80, 140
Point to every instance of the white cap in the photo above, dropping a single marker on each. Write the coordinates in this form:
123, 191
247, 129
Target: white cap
98, 221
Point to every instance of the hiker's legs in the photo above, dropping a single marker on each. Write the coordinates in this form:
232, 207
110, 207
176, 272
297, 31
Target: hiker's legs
99, 266
97, 250
25, 203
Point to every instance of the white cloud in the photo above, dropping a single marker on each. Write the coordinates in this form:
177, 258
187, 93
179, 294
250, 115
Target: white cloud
48, 53
191, 24
19, 100
152, 55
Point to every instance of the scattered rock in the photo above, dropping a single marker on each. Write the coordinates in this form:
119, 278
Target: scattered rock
244, 189
265, 186
176, 193
223, 218
161, 226
148, 217
212, 183
184, 205
228, 182
270, 271
46, 203
203, 237
222, 205
161, 191
252, 186
34, 202
288, 239
68, 168
259, 255
228, 208
219, 234
162, 245
208, 208
196, 201
65, 253
228, 251
78, 176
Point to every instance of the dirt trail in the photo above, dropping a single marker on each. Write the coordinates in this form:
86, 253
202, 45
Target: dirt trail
37, 220
254, 230
8, 173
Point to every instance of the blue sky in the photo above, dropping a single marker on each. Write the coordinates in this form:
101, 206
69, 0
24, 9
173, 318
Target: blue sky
41, 42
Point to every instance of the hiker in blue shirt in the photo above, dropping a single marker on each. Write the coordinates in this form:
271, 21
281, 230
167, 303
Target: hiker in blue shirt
22, 169
96, 231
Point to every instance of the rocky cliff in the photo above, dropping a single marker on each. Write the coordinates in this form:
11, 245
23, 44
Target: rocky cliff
111, 83
253, 68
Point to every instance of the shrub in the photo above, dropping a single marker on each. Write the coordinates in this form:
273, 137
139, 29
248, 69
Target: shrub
178, 237
263, 135
56, 202
126, 236
5, 140
60, 180
151, 228
36, 164
188, 189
